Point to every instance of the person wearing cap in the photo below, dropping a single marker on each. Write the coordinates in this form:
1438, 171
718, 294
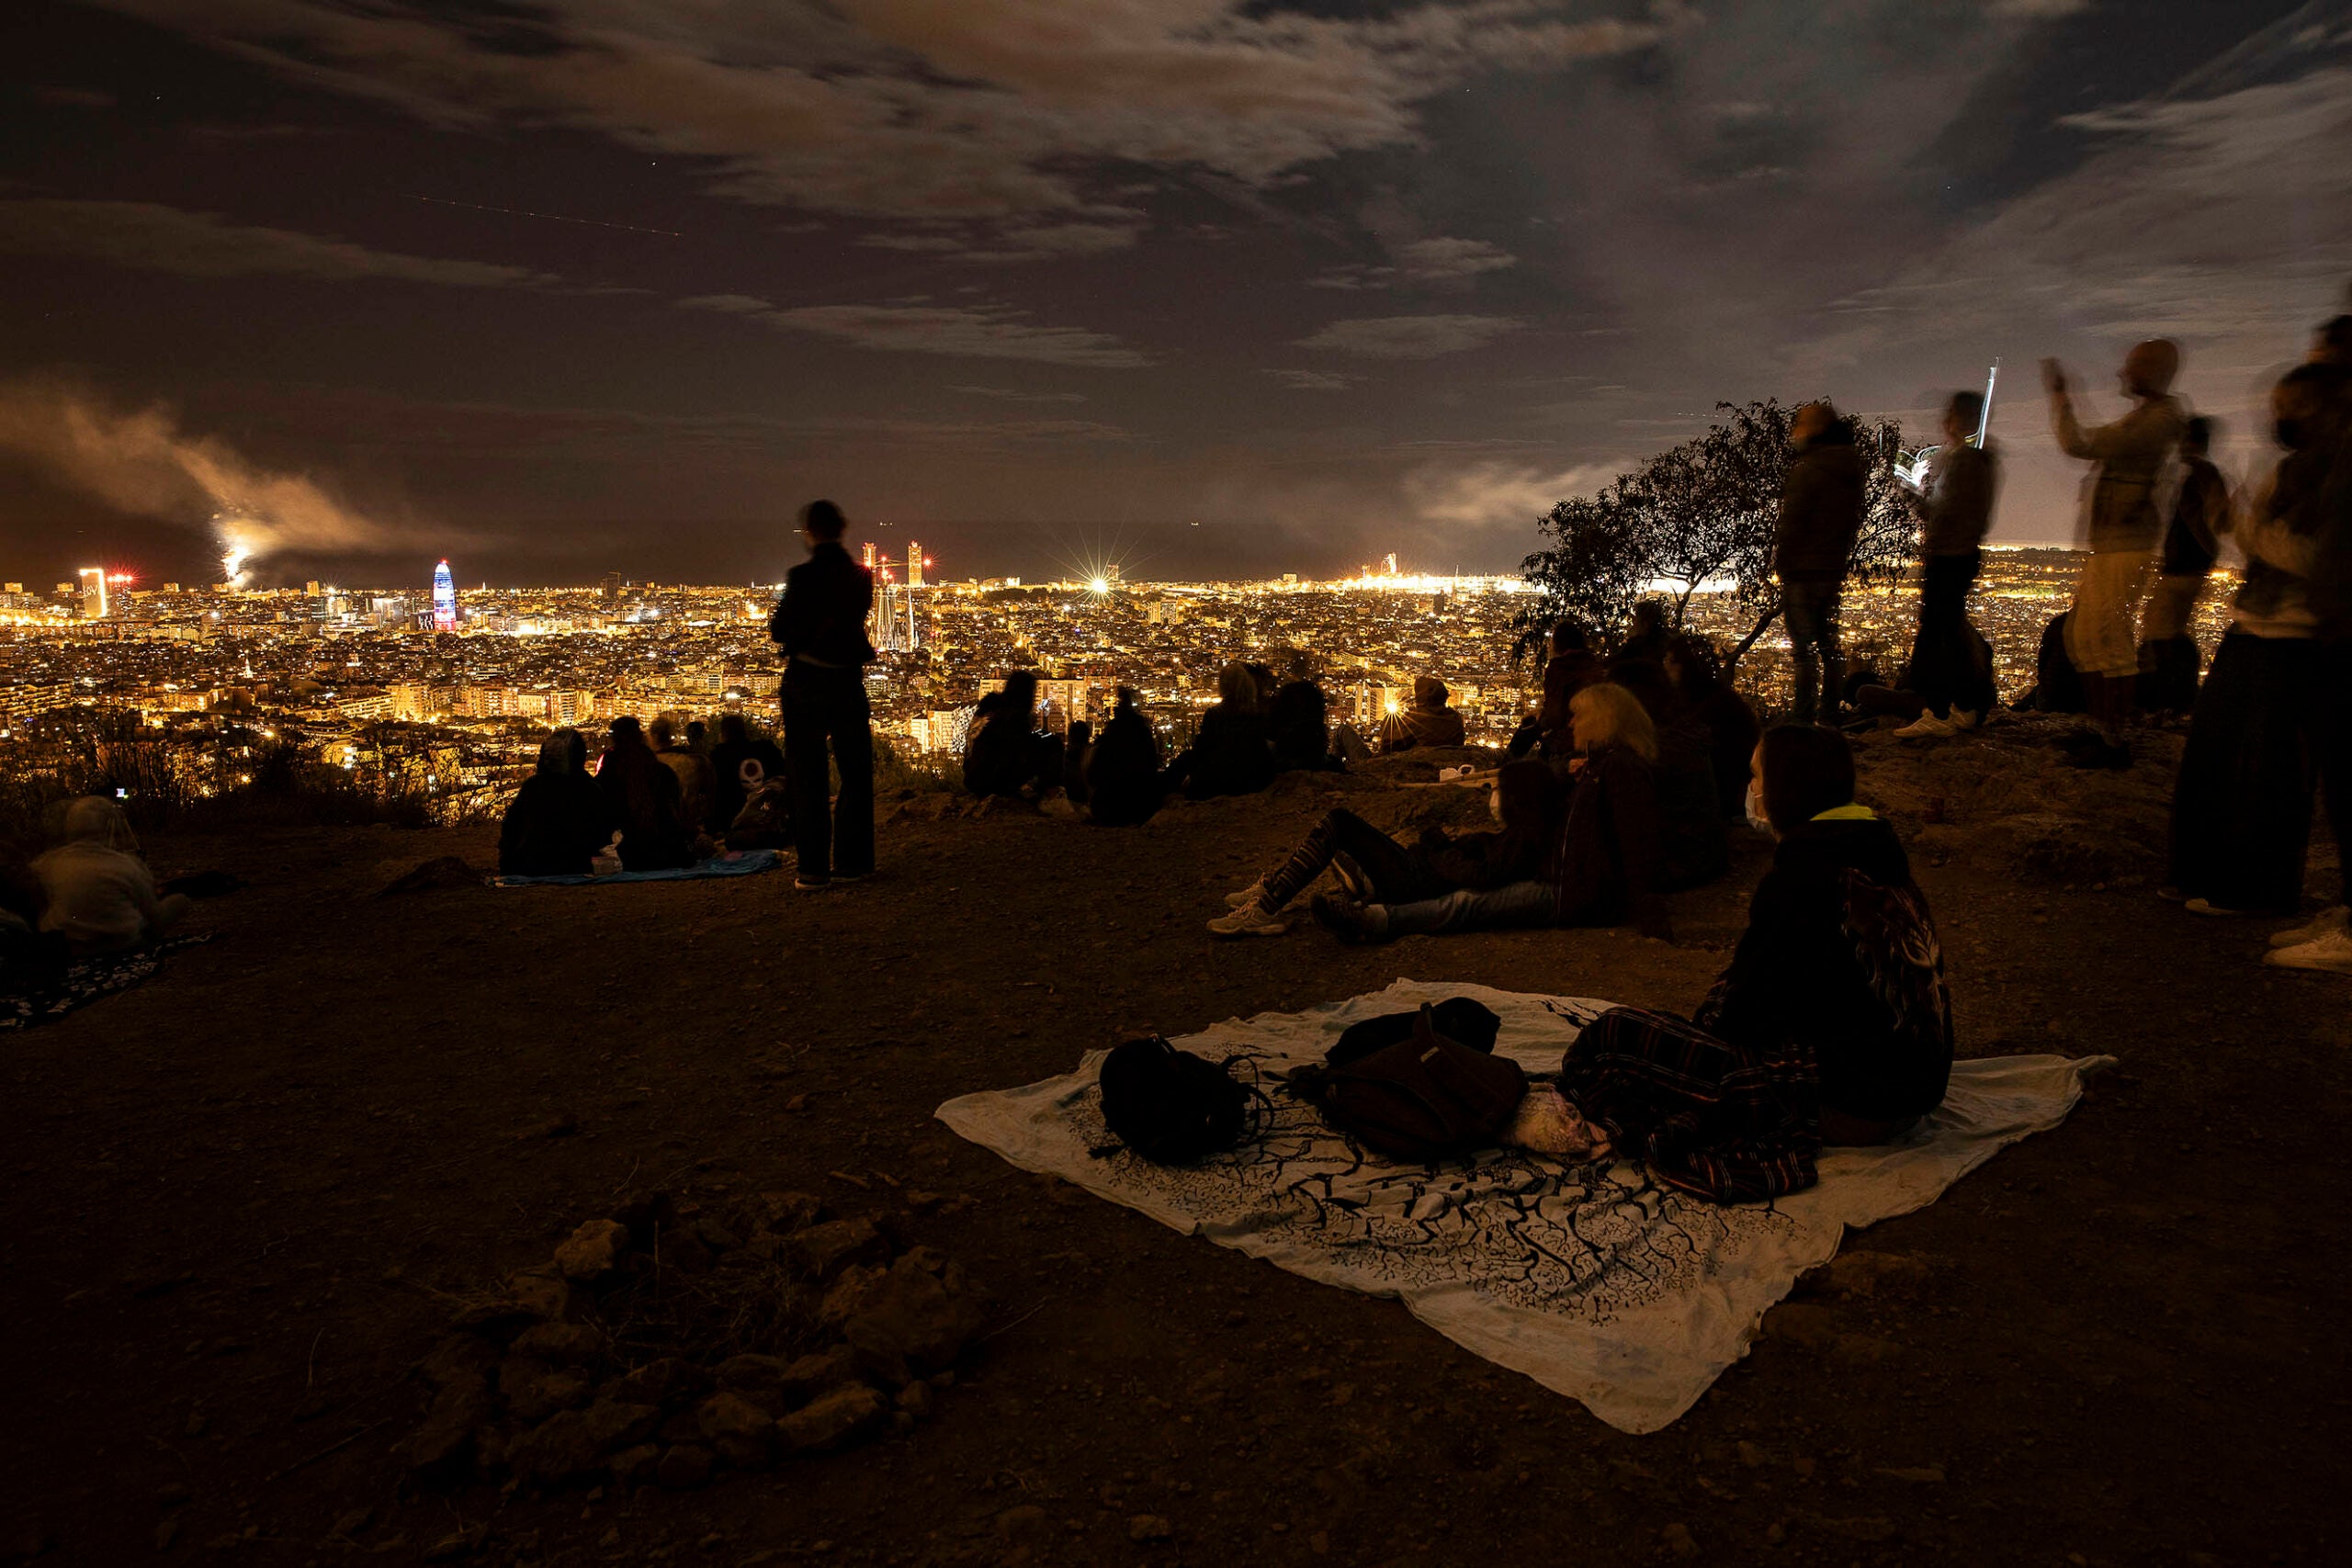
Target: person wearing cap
2122, 525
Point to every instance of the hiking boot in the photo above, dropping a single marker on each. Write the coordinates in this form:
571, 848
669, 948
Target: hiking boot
2325, 922
1253, 894
1350, 921
2331, 953
1353, 878
1250, 920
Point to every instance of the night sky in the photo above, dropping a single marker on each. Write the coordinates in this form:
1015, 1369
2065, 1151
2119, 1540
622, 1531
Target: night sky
615, 285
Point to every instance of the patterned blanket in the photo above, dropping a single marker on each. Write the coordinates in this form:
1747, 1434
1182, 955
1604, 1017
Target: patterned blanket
75, 986
727, 863
1592, 1279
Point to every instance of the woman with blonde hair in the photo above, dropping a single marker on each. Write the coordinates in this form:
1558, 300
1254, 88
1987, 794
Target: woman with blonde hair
99, 894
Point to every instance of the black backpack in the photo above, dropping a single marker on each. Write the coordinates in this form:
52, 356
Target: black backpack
1428, 1098
1457, 1018
1170, 1106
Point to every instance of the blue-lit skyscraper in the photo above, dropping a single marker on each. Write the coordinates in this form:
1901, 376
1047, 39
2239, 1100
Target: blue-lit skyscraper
444, 599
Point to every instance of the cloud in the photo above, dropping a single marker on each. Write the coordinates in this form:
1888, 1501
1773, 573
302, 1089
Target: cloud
73, 97
1409, 337
1432, 260
982, 332
1309, 380
1486, 495
202, 244
1013, 395
144, 463
918, 109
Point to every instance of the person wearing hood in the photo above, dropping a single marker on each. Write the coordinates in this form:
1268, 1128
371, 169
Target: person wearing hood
1427, 722
96, 892
559, 818
1123, 772
2123, 527
820, 625
1813, 546
643, 795
1376, 870
1831, 1024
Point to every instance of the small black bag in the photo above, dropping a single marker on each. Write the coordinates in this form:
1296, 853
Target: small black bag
1457, 1018
1170, 1106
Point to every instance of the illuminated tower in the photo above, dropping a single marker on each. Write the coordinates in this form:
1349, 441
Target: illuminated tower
93, 593
914, 564
444, 599
868, 559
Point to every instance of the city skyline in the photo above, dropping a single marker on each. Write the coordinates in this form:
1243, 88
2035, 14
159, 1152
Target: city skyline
1256, 288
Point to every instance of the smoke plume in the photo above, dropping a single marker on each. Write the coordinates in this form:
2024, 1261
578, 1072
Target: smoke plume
145, 464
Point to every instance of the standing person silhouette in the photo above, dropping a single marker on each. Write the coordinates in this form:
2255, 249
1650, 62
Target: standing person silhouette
1955, 513
820, 625
2123, 527
1821, 516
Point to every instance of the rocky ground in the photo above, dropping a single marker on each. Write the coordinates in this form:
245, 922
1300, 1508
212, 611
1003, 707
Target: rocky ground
250, 1199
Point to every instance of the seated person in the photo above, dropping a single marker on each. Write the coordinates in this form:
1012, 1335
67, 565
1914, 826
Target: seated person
1832, 1023
1606, 867
1122, 778
1911, 703
739, 764
1079, 745
1296, 723
696, 782
1426, 722
1647, 638
96, 892
644, 796
1232, 752
1376, 869
1007, 755
2057, 684
559, 818
1569, 669
1706, 700
764, 822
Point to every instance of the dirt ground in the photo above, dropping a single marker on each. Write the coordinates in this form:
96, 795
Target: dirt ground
244, 1196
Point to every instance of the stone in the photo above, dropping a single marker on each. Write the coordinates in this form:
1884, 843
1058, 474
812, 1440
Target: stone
571, 1444
831, 1419
635, 1466
682, 1250
1677, 1538
751, 1371
742, 1434
685, 1467
458, 1356
442, 1449
713, 1233
847, 1295
559, 1344
591, 1250
534, 1390
539, 1293
783, 1212
824, 1250
662, 1381
809, 1376
1149, 1527
1021, 1520
917, 1400
916, 1316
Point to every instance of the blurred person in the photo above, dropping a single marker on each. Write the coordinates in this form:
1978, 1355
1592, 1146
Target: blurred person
1297, 722
1569, 666
1645, 637
2201, 516
1123, 772
1709, 702
1820, 519
2057, 684
1006, 754
2242, 808
2121, 528
1376, 869
1232, 752
1955, 513
1424, 721
559, 818
96, 894
1076, 747
1831, 1024
643, 794
697, 780
739, 764
820, 623
698, 737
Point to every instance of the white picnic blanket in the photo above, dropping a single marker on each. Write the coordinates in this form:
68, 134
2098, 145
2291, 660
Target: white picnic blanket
1592, 1279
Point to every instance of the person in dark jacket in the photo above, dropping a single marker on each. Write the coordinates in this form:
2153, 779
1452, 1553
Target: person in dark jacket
643, 794
559, 818
1709, 702
819, 625
1831, 1024
1376, 870
739, 764
1232, 752
1427, 721
1297, 722
2170, 662
1570, 667
1821, 517
1955, 513
1123, 773
1007, 754
1646, 635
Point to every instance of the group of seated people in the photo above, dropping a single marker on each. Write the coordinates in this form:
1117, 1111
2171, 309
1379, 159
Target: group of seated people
655, 800
89, 897
1623, 787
